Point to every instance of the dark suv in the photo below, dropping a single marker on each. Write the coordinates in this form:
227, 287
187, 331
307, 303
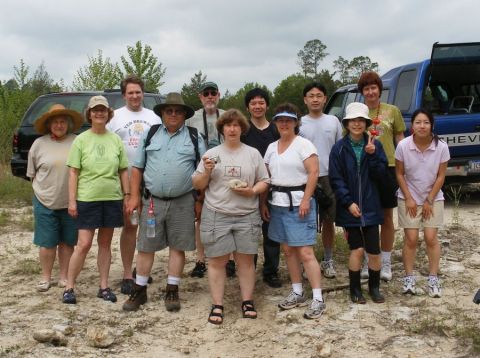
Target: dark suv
25, 135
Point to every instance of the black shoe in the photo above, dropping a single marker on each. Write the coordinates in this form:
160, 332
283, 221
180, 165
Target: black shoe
272, 280
199, 270
374, 286
107, 294
134, 275
136, 299
69, 296
127, 286
355, 287
230, 268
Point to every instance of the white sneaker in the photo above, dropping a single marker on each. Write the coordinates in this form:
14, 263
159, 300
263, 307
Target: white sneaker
293, 300
328, 269
409, 285
434, 289
315, 310
364, 273
386, 270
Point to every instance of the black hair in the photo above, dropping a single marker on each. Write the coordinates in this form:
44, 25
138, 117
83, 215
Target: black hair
256, 92
289, 108
430, 119
316, 85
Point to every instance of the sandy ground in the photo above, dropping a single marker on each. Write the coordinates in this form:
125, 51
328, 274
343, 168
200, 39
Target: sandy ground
413, 326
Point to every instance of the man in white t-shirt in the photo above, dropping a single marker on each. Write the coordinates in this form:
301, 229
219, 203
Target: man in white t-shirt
130, 122
204, 120
323, 131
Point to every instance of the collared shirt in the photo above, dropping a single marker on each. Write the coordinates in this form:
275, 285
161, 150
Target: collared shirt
421, 168
170, 161
357, 149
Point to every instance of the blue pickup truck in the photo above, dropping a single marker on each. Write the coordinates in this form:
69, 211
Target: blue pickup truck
448, 84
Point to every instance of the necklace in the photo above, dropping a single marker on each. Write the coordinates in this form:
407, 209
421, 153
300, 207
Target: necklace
376, 121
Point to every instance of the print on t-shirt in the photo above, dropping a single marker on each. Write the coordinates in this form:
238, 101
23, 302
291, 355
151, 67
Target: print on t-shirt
233, 171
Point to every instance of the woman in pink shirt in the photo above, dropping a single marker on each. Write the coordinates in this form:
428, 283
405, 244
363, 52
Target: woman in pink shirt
420, 164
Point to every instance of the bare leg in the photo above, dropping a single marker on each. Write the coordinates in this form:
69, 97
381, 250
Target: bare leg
64, 254
310, 263
293, 263
409, 250
85, 237
128, 241
328, 234
176, 262
246, 275
198, 243
145, 263
104, 257
374, 262
216, 281
355, 259
433, 249
387, 234
47, 259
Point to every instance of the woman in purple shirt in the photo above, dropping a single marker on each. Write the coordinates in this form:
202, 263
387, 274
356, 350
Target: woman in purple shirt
420, 163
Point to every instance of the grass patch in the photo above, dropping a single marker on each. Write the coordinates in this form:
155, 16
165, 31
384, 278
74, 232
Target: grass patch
341, 249
4, 218
14, 190
26, 267
27, 223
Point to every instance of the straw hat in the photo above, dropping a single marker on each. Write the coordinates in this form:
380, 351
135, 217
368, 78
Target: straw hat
58, 110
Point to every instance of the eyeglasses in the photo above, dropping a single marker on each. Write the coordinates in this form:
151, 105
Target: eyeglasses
99, 109
212, 93
312, 96
176, 111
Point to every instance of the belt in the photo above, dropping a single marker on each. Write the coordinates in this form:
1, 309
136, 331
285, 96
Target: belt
147, 195
288, 190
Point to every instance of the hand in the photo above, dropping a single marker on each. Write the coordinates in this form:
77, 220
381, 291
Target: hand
427, 211
198, 209
208, 164
265, 212
304, 207
72, 209
370, 147
132, 204
247, 192
411, 207
355, 210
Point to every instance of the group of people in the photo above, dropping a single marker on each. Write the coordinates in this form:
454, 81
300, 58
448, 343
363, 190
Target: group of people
215, 181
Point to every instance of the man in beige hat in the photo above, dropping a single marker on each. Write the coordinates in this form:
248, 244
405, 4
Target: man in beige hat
130, 122
165, 160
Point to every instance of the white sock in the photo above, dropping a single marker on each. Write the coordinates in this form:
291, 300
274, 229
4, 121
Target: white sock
172, 280
386, 256
297, 288
317, 294
141, 280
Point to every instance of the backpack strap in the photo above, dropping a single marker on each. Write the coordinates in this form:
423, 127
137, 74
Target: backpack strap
194, 138
151, 132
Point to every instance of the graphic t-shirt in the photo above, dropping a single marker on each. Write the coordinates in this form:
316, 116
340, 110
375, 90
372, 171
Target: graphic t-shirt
98, 157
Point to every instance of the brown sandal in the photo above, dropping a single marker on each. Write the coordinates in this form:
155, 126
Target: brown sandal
216, 314
248, 307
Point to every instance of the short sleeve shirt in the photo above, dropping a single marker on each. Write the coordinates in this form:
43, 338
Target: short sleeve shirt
287, 169
323, 132
47, 164
245, 164
197, 122
391, 124
99, 157
421, 168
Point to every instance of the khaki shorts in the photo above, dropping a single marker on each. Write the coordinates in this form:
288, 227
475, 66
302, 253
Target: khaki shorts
174, 225
223, 234
407, 222
330, 213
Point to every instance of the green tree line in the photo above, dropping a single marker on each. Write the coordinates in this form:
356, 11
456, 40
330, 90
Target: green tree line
100, 72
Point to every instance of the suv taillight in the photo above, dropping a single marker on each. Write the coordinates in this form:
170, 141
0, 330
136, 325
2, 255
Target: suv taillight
15, 143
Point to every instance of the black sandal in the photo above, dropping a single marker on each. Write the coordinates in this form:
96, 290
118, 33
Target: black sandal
248, 306
216, 314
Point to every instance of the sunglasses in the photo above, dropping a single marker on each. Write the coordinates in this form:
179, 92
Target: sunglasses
212, 93
176, 111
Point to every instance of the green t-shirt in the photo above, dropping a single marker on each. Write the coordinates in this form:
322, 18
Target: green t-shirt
99, 157
391, 124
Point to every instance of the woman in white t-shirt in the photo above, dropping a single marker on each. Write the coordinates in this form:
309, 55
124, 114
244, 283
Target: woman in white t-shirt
293, 165
233, 175
420, 164
55, 230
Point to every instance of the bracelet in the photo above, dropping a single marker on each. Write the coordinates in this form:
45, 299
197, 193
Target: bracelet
125, 194
430, 201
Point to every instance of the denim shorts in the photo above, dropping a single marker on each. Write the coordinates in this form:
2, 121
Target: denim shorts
286, 227
53, 227
96, 214
223, 234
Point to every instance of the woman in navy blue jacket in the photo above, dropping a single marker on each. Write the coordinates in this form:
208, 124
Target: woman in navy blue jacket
357, 163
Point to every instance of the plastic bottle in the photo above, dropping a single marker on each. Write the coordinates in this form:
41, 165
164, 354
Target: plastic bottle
134, 217
150, 223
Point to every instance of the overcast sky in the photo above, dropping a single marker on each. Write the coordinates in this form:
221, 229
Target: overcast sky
232, 42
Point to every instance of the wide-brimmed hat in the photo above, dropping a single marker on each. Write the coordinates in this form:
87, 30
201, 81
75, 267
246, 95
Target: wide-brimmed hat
58, 110
207, 85
356, 110
174, 99
98, 101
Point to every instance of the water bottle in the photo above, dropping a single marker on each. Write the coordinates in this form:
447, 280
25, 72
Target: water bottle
134, 217
150, 224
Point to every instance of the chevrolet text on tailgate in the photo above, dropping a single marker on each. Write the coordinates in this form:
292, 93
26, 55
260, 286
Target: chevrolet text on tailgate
448, 84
